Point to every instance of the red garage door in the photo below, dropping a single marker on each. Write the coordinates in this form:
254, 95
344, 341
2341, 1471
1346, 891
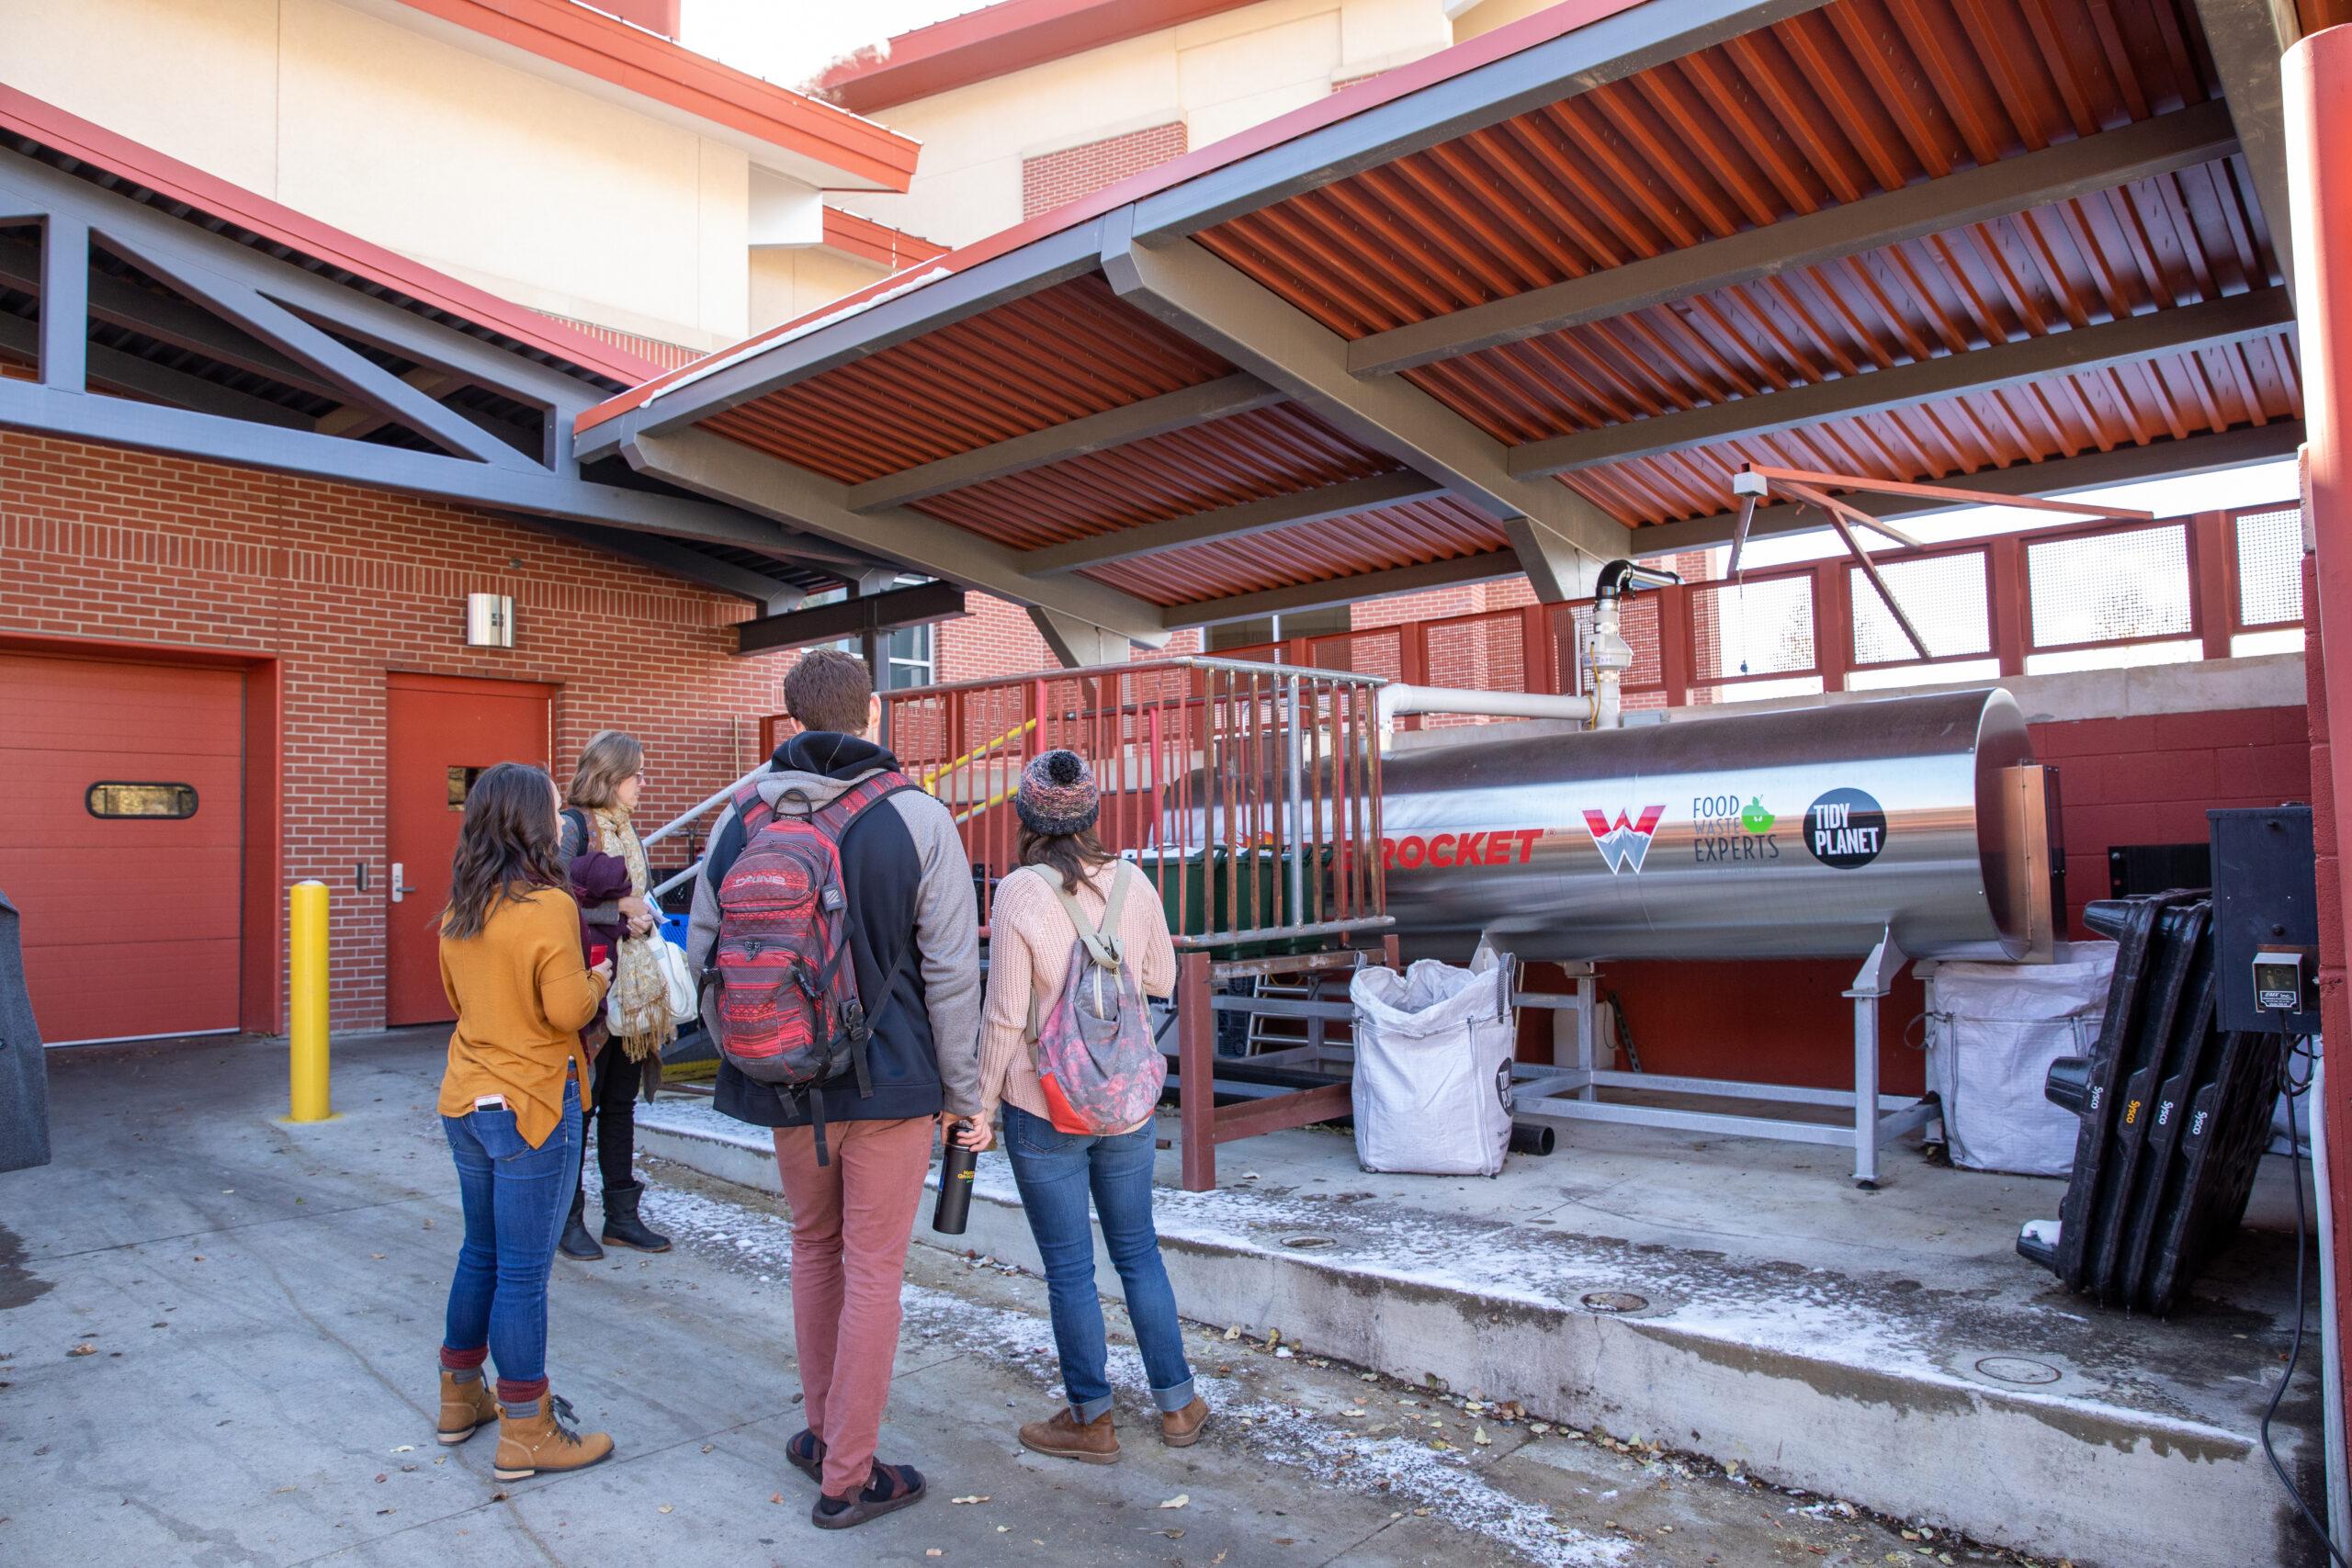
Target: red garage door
121, 843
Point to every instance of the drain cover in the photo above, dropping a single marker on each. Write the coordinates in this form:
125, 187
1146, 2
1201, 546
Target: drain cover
1614, 1301
2019, 1369
1307, 1241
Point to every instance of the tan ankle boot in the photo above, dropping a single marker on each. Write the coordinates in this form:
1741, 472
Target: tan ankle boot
1182, 1428
465, 1406
1065, 1437
544, 1442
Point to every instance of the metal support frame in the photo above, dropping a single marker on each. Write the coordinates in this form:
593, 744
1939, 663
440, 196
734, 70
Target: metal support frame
2212, 453
1238, 521
1571, 1093
1217, 305
869, 616
1137, 421
2210, 323
280, 321
1077, 644
772, 597
2246, 38
705, 464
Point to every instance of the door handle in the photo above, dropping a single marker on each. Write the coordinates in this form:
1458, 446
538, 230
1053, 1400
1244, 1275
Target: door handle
399, 877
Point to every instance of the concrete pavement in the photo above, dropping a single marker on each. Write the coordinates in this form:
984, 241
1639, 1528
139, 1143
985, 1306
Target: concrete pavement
216, 1347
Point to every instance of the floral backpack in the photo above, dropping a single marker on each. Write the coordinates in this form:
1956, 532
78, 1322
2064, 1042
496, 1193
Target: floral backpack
1097, 1059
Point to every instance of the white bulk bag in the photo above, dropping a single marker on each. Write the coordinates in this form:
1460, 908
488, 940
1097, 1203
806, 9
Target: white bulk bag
1433, 1055
1992, 1032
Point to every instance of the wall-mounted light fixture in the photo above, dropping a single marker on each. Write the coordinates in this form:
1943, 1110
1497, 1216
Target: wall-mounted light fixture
490, 620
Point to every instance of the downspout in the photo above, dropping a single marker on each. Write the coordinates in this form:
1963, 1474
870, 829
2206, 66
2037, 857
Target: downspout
1607, 653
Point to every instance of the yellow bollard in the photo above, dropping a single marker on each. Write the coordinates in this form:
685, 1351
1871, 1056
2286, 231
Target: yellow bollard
306, 1002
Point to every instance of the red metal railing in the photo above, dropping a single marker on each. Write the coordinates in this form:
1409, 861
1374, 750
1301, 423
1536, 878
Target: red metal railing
1248, 791
2074, 595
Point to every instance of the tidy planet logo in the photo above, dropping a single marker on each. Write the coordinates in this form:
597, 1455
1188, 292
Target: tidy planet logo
1845, 829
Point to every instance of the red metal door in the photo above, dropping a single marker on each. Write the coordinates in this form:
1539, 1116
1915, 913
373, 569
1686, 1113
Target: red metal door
122, 842
439, 733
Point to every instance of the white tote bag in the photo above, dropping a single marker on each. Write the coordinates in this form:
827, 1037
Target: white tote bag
1434, 1047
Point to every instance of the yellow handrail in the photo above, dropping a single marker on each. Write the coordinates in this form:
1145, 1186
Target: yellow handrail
930, 779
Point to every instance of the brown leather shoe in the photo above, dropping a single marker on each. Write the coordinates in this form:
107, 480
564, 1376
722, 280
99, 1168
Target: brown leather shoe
543, 1443
465, 1406
1063, 1437
1182, 1428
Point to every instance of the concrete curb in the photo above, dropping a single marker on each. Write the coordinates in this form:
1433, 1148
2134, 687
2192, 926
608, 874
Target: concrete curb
2043, 1473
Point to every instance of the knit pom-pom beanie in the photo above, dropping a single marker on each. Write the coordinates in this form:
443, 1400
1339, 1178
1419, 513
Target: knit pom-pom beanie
1057, 794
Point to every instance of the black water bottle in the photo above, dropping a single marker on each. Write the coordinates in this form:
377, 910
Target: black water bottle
954, 1185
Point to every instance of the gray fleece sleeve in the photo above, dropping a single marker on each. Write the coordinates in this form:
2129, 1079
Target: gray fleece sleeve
947, 934
702, 924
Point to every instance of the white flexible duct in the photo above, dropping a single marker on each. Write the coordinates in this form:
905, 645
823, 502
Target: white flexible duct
1397, 699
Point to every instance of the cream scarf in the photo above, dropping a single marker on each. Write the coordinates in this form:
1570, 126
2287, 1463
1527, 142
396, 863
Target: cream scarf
641, 997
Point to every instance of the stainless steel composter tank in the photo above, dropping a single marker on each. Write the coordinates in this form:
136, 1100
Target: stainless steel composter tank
1797, 833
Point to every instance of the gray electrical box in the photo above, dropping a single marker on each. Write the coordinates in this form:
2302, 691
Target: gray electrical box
2266, 919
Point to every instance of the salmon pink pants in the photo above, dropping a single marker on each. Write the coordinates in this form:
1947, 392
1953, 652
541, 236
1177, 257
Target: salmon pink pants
852, 1220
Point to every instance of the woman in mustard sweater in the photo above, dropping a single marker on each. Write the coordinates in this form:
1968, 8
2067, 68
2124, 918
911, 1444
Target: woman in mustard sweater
511, 965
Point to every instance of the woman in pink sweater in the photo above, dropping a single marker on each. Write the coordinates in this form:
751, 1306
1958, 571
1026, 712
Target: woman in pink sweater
1030, 942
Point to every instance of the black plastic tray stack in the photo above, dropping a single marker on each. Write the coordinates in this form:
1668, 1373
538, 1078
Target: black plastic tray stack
2175, 1113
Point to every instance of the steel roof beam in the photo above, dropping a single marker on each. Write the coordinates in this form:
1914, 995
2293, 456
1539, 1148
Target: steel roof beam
1223, 310
2211, 324
1629, 40
1075, 645
2246, 38
728, 470
771, 595
1139, 420
1356, 589
2150, 148
111, 368
867, 615
154, 427
65, 302
169, 320
2058, 476
1319, 504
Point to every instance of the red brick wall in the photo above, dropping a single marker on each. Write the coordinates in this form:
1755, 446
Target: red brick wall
2149, 780
2123, 781
341, 584
1055, 179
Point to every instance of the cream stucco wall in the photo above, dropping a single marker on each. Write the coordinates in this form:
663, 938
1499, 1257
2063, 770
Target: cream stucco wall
545, 194
1220, 75
1488, 15
789, 282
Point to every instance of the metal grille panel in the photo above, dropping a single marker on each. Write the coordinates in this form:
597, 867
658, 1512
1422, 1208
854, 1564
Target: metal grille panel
1945, 597
2128, 586
2270, 568
1754, 628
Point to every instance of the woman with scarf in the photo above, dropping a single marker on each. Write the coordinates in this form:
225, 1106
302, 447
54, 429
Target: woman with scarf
628, 1036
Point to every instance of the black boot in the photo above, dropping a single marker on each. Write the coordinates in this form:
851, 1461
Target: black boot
622, 1227
577, 1243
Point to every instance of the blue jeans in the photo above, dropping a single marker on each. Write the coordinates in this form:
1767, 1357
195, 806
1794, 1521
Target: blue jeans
1055, 1171
515, 1200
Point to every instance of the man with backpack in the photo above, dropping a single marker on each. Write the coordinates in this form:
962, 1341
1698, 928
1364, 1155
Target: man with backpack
836, 932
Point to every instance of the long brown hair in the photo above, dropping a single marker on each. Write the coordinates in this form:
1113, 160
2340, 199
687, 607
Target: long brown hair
610, 759
1072, 855
507, 846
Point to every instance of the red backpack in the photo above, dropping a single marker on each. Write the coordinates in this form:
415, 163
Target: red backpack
789, 1014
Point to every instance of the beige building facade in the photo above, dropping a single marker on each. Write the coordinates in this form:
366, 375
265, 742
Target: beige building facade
463, 136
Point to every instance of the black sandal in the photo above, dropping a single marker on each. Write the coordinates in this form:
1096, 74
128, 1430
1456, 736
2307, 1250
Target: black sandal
807, 1452
890, 1488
